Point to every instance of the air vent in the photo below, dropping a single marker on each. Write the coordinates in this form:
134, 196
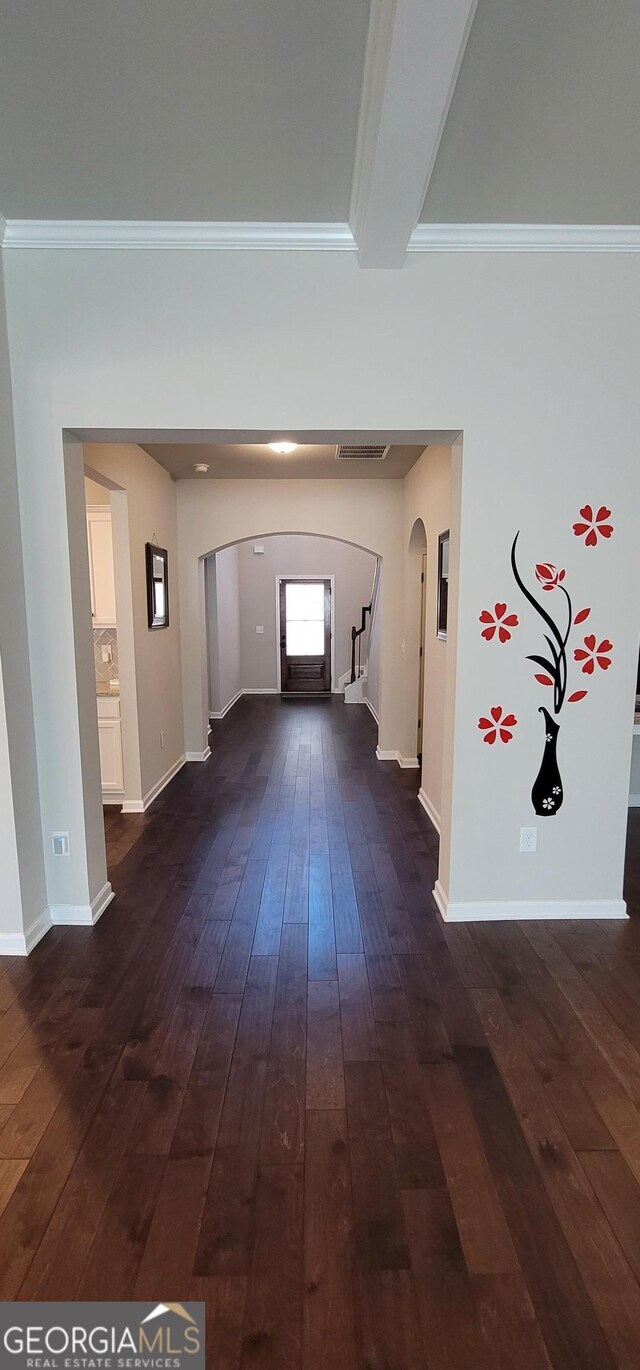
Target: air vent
360, 451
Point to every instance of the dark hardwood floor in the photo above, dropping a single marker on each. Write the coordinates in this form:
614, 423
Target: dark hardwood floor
271, 1079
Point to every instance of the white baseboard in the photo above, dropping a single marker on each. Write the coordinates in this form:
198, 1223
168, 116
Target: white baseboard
198, 756
111, 798
220, 713
383, 755
141, 805
371, 709
429, 809
407, 763
83, 915
20, 944
271, 690
634, 801
17, 944
522, 910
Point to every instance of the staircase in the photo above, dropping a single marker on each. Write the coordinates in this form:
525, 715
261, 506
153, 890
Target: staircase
354, 681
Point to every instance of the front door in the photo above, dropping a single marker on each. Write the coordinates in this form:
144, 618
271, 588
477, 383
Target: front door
305, 636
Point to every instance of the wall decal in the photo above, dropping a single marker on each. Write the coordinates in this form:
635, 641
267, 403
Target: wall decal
547, 794
498, 725
593, 526
592, 655
499, 621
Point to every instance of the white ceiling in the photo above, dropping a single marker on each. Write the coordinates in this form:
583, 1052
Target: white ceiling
544, 123
231, 111
179, 109
311, 461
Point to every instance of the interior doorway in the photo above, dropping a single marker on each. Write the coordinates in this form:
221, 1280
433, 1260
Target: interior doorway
423, 644
305, 636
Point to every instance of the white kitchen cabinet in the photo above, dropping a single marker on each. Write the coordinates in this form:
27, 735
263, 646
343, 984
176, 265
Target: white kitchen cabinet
101, 570
110, 740
111, 769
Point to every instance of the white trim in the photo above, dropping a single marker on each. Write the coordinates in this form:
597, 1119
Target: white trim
371, 709
430, 810
190, 234
525, 238
3, 229
20, 944
141, 805
199, 756
269, 690
406, 763
384, 755
412, 60
522, 910
71, 915
220, 713
634, 801
109, 234
332, 599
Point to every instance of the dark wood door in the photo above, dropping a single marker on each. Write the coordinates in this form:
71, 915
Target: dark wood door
305, 636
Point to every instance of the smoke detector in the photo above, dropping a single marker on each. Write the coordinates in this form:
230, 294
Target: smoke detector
201, 467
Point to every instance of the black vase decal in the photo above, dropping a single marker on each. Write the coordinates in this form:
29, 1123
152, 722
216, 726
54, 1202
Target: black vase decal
547, 793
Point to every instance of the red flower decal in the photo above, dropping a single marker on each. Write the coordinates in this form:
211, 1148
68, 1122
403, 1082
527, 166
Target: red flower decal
594, 654
548, 575
498, 725
576, 696
580, 618
499, 621
593, 525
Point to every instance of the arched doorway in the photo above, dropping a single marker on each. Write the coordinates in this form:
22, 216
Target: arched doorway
414, 644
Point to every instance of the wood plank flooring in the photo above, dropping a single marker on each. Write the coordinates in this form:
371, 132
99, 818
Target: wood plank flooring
271, 1079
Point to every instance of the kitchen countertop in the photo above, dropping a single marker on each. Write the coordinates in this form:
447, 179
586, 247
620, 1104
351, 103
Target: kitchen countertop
103, 688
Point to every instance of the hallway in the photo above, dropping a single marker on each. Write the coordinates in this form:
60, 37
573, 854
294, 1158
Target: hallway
271, 1078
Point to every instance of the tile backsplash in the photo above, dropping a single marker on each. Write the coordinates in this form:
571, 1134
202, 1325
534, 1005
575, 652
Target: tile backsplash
105, 670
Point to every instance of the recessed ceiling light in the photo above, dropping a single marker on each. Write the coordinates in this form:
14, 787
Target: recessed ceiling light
283, 448
201, 467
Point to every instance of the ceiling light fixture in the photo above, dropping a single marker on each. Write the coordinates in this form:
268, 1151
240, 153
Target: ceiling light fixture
283, 448
201, 467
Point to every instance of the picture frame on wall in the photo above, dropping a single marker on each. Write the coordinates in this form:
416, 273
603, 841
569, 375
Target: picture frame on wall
443, 585
157, 586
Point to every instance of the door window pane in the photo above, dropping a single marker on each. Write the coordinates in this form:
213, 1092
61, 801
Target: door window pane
304, 607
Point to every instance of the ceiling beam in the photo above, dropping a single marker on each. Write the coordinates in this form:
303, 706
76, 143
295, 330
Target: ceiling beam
413, 56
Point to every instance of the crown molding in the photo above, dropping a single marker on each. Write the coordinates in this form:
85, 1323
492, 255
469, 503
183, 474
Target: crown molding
108, 234
525, 238
169, 234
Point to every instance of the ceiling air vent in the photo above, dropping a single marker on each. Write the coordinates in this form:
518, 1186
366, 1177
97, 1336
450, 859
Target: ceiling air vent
360, 451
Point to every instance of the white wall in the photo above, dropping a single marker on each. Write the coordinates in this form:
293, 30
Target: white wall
427, 498
213, 513
533, 356
222, 590
20, 787
297, 556
151, 504
373, 668
11, 920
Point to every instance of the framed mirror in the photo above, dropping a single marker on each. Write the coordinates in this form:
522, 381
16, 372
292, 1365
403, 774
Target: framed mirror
157, 586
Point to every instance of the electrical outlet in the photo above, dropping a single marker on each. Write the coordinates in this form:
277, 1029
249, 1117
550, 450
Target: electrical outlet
60, 843
162, 738
528, 839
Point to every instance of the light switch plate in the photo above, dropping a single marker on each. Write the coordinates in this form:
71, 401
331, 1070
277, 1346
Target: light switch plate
259, 628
